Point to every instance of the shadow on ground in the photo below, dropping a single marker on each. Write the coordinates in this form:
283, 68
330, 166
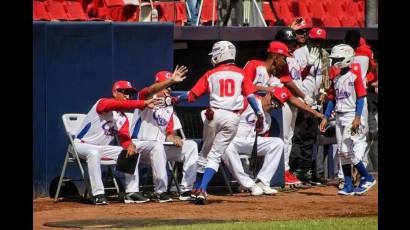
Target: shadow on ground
126, 223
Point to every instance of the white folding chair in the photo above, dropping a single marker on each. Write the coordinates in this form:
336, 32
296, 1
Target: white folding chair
72, 123
222, 165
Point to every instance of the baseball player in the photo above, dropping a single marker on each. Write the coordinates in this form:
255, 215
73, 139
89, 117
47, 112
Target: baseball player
301, 29
289, 112
347, 98
227, 86
315, 63
152, 149
160, 125
103, 123
270, 147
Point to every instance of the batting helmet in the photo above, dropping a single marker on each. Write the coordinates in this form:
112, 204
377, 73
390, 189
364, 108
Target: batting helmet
222, 51
285, 35
342, 55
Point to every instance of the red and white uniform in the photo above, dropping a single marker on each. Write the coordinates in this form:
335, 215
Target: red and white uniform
257, 73
227, 87
270, 147
289, 112
155, 125
344, 91
102, 124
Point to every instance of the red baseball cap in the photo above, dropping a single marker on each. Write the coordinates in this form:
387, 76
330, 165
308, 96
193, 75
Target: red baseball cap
281, 93
123, 85
278, 48
162, 76
317, 33
303, 25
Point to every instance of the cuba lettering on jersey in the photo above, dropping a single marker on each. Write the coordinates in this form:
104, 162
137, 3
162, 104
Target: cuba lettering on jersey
346, 89
247, 120
100, 129
152, 124
226, 85
256, 71
295, 70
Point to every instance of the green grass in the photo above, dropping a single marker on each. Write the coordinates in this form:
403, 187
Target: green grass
362, 223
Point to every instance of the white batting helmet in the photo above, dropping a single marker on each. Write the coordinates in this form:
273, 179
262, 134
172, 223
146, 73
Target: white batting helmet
342, 55
222, 51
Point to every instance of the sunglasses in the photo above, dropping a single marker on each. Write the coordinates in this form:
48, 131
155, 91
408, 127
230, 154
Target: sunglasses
124, 91
301, 32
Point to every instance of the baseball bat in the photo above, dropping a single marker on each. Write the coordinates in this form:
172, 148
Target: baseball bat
254, 160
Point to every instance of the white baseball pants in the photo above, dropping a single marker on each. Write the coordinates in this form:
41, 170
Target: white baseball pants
289, 114
217, 135
270, 147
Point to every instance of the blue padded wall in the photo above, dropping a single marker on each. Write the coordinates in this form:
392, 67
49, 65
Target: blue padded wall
75, 64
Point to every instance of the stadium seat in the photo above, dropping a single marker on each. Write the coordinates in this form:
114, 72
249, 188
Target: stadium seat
40, 12
268, 14
300, 9
335, 9
331, 22
317, 10
172, 12
283, 11
56, 10
206, 13
75, 11
112, 3
349, 22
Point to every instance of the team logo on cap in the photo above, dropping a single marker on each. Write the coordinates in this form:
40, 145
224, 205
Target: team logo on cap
283, 95
168, 75
319, 32
129, 84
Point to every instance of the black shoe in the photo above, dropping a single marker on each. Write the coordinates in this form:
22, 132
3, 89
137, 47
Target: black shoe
135, 197
186, 196
164, 197
100, 199
201, 199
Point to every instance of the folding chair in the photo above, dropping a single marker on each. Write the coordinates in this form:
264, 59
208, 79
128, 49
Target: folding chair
72, 123
171, 165
222, 165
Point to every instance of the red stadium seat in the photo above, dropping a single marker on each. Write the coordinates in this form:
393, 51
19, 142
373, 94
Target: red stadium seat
335, 9
75, 11
317, 10
111, 3
283, 10
56, 10
40, 12
172, 12
300, 9
268, 14
349, 22
331, 22
206, 14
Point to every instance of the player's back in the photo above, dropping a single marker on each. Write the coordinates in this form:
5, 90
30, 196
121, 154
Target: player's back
225, 87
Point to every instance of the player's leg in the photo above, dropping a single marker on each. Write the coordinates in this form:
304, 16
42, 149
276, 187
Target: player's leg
234, 164
91, 153
272, 148
158, 161
289, 120
226, 125
344, 147
366, 180
188, 154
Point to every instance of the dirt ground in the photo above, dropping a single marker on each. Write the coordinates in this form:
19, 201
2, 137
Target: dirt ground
310, 203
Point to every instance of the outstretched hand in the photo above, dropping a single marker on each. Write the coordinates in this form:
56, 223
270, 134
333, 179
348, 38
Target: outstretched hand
151, 103
313, 55
179, 74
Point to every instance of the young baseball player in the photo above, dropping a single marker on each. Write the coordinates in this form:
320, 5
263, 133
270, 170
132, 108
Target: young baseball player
227, 86
270, 147
160, 125
151, 150
289, 112
315, 63
103, 123
346, 97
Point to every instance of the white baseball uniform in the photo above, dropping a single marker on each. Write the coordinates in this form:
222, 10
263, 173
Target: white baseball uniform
102, 123
155, 125
227, 86
270, 147
289, 112
345, 90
